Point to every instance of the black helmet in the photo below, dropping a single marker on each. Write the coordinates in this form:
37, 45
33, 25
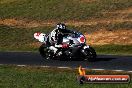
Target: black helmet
61, 26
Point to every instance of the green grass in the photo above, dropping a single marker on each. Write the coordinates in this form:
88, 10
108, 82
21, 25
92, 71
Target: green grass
20, 39
37, 77
110, 27
59, 9
114, 49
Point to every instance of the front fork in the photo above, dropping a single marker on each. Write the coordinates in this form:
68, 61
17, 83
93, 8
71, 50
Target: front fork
84, 48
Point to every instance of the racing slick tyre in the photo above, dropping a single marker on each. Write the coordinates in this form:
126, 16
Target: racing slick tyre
90, 54
44, 52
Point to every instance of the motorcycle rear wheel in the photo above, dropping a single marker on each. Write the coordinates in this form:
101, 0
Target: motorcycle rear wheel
44, 52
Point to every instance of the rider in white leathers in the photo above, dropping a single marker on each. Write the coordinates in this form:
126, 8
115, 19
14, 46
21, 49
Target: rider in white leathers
56, 38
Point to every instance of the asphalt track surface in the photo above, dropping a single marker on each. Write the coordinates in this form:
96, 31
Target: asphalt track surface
108, 62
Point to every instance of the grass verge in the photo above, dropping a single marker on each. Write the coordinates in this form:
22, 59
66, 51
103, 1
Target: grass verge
59, 10
38, 77
114, 49
19, 39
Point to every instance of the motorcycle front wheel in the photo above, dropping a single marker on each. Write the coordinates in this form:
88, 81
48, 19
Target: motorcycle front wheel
90, 54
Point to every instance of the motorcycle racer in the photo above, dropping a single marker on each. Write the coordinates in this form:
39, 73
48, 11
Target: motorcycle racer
63, 43
56, 38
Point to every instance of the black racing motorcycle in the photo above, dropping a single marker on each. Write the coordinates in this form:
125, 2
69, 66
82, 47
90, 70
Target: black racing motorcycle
77, 47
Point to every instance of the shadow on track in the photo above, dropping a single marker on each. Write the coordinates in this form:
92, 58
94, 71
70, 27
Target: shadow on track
99, 58
104, 59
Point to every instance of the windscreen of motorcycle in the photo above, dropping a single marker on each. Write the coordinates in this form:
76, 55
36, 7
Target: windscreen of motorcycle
67, 40
76, 40
80, 37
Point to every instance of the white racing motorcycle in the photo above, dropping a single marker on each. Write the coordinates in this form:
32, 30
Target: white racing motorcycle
77, 47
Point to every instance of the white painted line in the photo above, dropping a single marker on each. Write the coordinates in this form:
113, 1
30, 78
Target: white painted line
63, 67
45, 66
77, 68
21, 65
118, 70
98, 69
129, 71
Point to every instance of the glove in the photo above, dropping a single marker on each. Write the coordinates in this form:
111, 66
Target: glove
65, 46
